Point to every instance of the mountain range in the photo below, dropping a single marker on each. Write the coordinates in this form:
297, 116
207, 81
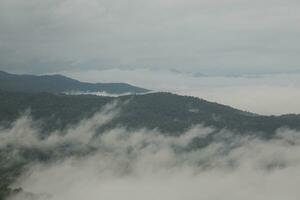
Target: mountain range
170, 113
44, 98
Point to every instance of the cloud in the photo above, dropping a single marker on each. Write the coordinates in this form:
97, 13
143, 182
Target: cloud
106, 94
26, 133
145, 164
230, 36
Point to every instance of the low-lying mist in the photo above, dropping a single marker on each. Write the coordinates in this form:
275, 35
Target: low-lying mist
146, 164
106, 94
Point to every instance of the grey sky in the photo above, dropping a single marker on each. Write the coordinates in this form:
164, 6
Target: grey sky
209, 36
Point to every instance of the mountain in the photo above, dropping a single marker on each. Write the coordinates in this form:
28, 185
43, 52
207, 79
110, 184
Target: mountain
168, 113
60, 84
55, 112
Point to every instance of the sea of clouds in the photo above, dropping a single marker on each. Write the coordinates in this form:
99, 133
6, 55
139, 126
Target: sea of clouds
146, 164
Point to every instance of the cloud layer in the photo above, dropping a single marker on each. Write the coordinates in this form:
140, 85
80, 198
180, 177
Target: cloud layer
146, 164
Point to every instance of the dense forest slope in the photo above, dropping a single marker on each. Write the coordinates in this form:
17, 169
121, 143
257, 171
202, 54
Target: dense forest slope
166, 112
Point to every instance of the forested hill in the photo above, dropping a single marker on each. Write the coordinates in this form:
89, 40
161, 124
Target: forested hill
59, 84
169, 113
166, 112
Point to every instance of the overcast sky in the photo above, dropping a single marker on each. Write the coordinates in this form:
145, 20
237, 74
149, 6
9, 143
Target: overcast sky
206, 36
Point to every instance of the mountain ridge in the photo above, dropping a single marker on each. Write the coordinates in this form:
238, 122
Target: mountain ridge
167, 112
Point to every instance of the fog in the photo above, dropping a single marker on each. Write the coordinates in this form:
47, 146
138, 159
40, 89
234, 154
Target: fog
146, 164
106, 94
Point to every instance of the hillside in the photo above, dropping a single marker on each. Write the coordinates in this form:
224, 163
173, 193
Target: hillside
167, 112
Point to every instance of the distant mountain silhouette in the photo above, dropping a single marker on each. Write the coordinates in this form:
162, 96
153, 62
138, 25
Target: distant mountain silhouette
60, 84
